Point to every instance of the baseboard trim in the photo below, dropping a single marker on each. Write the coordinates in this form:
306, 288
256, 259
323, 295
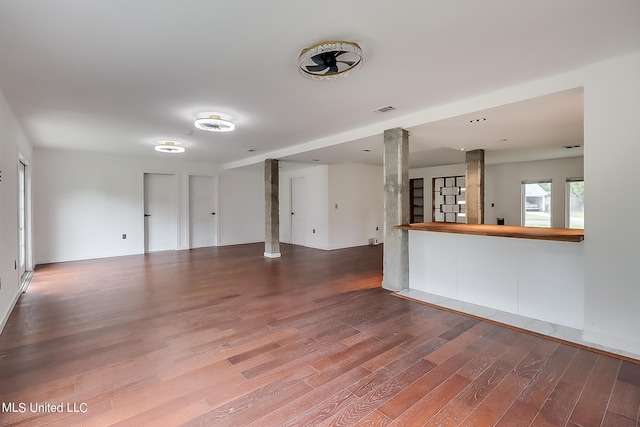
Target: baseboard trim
6, 316
272, 255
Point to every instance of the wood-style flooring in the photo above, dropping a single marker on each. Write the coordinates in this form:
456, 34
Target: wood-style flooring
224, 336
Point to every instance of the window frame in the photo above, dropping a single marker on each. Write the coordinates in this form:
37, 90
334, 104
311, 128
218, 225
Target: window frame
523, 201
567, 201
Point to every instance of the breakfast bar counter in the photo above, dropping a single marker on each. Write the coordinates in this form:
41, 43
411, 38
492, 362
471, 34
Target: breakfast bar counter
536, 273
537, 233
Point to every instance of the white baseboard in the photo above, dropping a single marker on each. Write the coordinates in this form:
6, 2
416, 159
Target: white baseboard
6, 316
272, 255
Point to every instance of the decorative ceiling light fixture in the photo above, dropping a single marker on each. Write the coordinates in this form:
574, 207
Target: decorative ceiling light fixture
169, 147
330, 60
214, 123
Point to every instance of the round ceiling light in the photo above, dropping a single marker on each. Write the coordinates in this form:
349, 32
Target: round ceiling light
169, 147
214, 124
330, 60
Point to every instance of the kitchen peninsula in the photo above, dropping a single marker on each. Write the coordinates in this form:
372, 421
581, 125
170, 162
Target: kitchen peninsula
527, 277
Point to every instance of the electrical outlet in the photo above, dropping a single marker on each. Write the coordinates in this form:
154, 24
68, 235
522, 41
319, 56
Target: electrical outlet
124, 236
314, 231
376, 228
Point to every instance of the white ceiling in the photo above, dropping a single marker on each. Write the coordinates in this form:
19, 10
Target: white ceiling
120, 75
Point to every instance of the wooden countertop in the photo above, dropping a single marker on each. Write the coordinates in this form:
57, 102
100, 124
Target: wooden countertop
557, 234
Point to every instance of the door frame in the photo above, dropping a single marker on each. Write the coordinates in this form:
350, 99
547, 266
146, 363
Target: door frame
28, 222
292, 213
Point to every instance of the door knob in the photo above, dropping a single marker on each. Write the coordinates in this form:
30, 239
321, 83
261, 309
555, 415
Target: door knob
146, 215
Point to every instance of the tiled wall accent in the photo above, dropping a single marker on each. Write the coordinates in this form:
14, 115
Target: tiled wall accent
449, 203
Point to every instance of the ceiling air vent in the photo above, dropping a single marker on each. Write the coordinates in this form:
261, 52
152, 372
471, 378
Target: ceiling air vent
568, 147
385, 109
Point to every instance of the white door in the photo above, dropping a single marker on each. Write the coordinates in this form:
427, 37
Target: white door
22, 220
160, 223
297, 212
202, 211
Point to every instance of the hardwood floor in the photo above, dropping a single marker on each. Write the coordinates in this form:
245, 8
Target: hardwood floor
224, 336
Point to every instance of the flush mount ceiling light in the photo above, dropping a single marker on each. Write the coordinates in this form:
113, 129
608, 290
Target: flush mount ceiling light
214, 123
169, 147
330, 60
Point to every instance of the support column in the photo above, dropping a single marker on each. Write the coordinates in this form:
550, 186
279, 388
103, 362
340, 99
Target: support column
395, 272
271, 209
475, 186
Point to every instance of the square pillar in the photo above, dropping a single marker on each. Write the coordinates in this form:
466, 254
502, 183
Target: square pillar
271, 209
395, 273
475, 186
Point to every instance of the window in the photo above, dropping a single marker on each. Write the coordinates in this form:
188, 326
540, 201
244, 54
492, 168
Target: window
575, 203
536, 203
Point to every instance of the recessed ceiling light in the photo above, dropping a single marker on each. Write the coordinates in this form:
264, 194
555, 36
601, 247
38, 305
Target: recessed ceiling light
330, 60
366, 150
315, 160
214, 123
462, 149
169, 147
482, 119
251, 150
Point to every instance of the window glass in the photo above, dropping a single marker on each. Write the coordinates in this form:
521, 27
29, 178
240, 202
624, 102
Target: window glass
536, 204
575, 203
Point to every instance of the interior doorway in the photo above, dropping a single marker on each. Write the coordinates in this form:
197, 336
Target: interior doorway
202, 211
160, 212
297, 212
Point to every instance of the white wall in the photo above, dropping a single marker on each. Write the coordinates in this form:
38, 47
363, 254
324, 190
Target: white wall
241, 206
503, 186
356, 203
357, 190
612, 241
14, 147
84, 202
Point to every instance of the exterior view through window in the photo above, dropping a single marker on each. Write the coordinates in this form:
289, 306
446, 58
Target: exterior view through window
536, 203
575, 203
